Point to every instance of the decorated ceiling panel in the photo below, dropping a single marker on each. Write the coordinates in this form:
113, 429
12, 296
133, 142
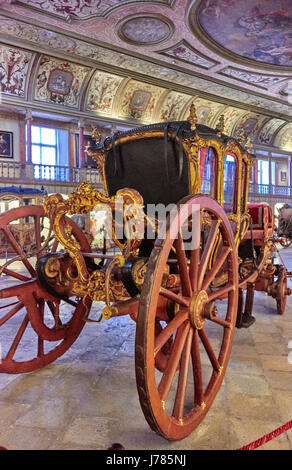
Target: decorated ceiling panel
173, 106
14, 69
138, 101
251, 124
206, 111
102, 91
59, 82
185, 53
283, 139
231, 117
269, 130
80, 9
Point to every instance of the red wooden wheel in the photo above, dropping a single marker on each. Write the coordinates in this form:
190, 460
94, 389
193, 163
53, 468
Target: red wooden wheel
35, 326
176, 397
281, 291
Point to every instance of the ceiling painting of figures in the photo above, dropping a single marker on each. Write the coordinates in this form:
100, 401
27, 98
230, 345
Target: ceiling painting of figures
260, 30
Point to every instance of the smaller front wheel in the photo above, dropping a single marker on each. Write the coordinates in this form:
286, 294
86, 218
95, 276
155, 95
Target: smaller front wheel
282, 290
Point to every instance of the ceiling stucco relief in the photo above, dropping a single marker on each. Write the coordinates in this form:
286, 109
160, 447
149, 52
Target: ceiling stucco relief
258, 79
185, 53
102, 91
173, 106
59, 82
138, 101
259, 30
283, 139
81, 9
268, 131
14, 70
145, 29
250, 124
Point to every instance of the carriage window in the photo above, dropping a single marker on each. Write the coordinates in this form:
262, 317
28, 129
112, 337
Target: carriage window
207, 170
229, 182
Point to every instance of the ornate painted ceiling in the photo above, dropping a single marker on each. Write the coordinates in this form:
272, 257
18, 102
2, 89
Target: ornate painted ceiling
146, 61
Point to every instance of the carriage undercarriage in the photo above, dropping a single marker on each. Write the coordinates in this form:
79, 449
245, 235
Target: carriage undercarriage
185, 289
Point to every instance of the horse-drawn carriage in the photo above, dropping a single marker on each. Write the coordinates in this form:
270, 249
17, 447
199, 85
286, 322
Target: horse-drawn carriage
187, 255
284, 229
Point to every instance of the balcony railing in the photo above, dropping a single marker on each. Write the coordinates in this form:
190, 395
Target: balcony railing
46, 174
270, 190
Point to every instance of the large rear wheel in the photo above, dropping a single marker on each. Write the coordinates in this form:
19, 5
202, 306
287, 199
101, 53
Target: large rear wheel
195, 336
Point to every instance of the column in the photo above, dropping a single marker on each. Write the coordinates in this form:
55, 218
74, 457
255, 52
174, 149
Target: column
22, 142
28, 119
81, 143
270, 175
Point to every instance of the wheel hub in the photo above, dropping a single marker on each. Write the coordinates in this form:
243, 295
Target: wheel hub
197, 308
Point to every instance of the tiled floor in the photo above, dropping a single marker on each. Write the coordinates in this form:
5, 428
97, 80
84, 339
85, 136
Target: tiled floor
87, 399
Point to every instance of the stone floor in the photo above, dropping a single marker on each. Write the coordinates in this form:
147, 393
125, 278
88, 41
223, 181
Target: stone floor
87, 399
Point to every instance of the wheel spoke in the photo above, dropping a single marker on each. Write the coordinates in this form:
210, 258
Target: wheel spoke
17, 338
166, 333
168, 376
195, 257
216, 267
215, 224
220, 292
209, 349
37, 226
194, 268
175, 297
197, 370
183, 266
40, 351
18, 276
18, 250
10, 314
55, 246
220, 321
178, 409
56, 314
70, 302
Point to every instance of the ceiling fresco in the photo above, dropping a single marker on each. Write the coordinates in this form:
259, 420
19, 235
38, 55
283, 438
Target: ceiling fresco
260, 30
139, 62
